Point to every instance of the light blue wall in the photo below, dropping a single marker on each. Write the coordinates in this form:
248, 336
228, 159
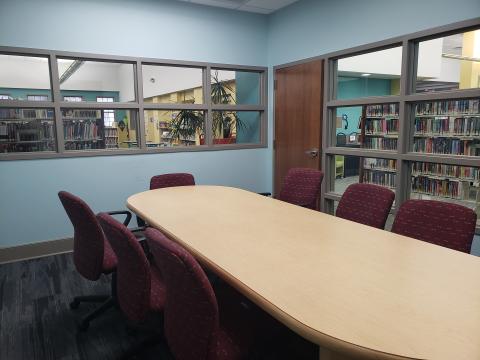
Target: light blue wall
29, 208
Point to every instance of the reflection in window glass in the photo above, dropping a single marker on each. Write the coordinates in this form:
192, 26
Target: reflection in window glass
236, 127
369, 126
372, 74
235, 87
88, 129
27, 130
449, 63
92, 79
37, 97
353, 169
174, 128
447, 127
25, 76
451, 183
172, 84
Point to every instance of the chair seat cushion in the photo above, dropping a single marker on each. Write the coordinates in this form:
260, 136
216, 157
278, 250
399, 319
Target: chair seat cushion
109, 258
157, 290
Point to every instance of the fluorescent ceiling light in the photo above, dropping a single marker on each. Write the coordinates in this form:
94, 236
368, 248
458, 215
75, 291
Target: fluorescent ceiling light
366, 74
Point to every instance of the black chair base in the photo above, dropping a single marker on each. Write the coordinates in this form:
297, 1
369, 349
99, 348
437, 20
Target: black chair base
135, 352
106, 300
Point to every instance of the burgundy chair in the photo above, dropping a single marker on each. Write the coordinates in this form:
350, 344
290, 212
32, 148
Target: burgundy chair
92, 254
436, 222
140, 287
301, 186
200, 324
168, 180
366, 204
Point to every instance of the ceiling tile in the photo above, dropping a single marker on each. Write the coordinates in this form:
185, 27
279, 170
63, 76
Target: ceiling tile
255, 9
270, 4
219, 3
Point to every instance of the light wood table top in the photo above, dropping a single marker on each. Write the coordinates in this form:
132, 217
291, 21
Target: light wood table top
351, 288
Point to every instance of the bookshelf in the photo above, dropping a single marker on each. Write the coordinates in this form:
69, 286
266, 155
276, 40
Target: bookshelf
379, 127
447, 127
83, 129
27, 130
111, 137
381, 172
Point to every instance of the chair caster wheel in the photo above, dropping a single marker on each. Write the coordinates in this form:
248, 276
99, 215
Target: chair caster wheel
74, 304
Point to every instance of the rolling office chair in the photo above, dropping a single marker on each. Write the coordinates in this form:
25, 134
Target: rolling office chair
436, 222
92, 254
168, 180
366, 204
140, 286
200, 323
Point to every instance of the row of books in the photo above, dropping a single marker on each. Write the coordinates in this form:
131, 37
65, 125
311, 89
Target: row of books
379, 178
447, 146
465, 126
383, 125
444, 107
27, 131
81, 130
380, 143
441, 187
83, 145
21, 114
27, 147
82, 113
455, 171
380, 164
382, 110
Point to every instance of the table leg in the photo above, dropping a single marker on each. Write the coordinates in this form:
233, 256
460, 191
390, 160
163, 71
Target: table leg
326, 354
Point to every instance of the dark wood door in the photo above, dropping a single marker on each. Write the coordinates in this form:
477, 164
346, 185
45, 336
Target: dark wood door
298, 118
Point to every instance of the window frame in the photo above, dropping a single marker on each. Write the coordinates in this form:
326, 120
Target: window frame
138, 105
406, 99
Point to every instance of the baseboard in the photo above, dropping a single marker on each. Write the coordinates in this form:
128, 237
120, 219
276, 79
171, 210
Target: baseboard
35, 250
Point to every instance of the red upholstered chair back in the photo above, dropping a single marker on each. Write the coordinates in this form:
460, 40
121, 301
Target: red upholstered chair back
436, 222
133, 269
191, 310
366, 204
88, 239
301, 186
169, 180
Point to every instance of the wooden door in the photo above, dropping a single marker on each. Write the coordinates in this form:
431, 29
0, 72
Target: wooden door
298, 118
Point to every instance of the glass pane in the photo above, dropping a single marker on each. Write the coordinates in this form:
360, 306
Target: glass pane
372, 74
388, 224
449, 63
353, 169
368, 127
27, 130
24, 78
451, 183
172, 85
447, 127
174, 128
89, 129
235, 87
236, 127
88, 80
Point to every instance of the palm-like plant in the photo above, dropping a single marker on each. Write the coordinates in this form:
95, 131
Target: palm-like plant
188, 122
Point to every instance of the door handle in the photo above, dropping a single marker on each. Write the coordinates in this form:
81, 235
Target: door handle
313, 153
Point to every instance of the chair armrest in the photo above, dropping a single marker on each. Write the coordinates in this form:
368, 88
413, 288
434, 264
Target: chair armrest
265, 193
122, 212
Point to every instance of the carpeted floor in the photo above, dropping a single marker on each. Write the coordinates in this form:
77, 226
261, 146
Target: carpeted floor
37, 323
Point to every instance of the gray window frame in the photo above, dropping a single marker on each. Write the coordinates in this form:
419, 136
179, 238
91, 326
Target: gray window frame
406, 100
138, 105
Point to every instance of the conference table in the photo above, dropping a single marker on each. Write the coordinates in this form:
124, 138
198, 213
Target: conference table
356, 291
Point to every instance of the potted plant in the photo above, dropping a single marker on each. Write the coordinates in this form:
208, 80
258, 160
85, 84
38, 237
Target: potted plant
187, 123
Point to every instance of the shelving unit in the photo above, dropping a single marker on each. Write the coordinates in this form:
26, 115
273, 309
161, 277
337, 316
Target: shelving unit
379, 127
111, 137
27, 130
83, 129
448, 127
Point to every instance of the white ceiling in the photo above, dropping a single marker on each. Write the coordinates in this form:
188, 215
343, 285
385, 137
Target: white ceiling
256, 6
